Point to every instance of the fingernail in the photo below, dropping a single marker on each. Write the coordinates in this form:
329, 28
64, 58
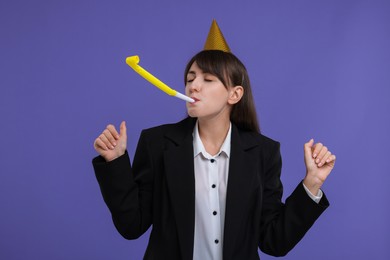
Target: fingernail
318, 160
314, 155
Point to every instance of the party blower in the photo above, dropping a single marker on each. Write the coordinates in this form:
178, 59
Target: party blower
133, 61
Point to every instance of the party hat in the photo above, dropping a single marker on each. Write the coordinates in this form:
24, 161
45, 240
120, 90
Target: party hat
215, 39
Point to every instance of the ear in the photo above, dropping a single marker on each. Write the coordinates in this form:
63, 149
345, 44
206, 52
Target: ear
235, 94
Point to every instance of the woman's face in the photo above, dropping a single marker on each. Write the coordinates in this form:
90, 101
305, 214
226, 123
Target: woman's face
210, 95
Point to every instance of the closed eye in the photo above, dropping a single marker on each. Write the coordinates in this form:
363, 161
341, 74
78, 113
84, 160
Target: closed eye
209, 77
191, 76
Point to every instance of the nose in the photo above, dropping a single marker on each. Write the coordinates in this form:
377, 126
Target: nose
194, 85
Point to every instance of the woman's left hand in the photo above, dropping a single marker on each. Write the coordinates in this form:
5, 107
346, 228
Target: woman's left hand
319, 163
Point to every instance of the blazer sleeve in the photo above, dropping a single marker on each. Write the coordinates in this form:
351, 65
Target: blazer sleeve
128, 190
284, 225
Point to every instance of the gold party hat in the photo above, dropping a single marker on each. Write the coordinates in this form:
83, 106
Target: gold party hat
215, 39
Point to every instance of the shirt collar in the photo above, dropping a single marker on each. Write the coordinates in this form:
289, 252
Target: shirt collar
199, 147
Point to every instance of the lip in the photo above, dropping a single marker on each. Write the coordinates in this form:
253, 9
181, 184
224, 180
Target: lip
196, 99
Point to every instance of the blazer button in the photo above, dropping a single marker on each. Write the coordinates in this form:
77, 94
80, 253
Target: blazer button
216, 241
214, 213
213, 186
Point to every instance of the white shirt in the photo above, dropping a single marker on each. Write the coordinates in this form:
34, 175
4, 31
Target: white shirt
211, 178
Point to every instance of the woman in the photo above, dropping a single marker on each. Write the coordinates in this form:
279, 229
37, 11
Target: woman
210, 184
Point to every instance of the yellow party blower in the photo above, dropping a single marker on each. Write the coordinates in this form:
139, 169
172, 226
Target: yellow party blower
133, 61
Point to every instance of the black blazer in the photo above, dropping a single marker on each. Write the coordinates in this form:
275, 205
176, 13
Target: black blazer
159, 190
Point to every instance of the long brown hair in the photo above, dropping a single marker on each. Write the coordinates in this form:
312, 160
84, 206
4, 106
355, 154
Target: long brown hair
231, 72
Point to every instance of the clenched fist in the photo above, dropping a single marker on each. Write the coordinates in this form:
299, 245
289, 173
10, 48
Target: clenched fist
319, 163
111, 144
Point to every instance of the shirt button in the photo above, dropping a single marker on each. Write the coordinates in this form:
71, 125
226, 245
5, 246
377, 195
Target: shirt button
213, 186
214, 213
216, 241
212, 160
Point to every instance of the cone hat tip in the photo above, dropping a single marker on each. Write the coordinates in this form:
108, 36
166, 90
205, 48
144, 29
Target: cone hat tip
215, 39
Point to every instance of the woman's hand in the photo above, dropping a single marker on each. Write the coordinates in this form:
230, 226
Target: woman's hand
319, 163
111, 144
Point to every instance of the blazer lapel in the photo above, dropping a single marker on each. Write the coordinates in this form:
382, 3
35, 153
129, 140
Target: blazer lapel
179, 168
240, 180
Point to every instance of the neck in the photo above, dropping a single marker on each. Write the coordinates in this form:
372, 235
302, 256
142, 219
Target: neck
213, 133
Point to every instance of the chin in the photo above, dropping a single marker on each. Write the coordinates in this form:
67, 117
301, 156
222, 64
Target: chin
193, 115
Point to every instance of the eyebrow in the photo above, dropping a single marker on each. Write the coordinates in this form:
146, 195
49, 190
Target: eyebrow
191, 72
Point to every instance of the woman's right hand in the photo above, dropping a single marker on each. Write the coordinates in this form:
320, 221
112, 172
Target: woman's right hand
111, 144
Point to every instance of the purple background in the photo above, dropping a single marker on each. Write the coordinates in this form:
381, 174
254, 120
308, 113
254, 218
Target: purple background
318, 68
